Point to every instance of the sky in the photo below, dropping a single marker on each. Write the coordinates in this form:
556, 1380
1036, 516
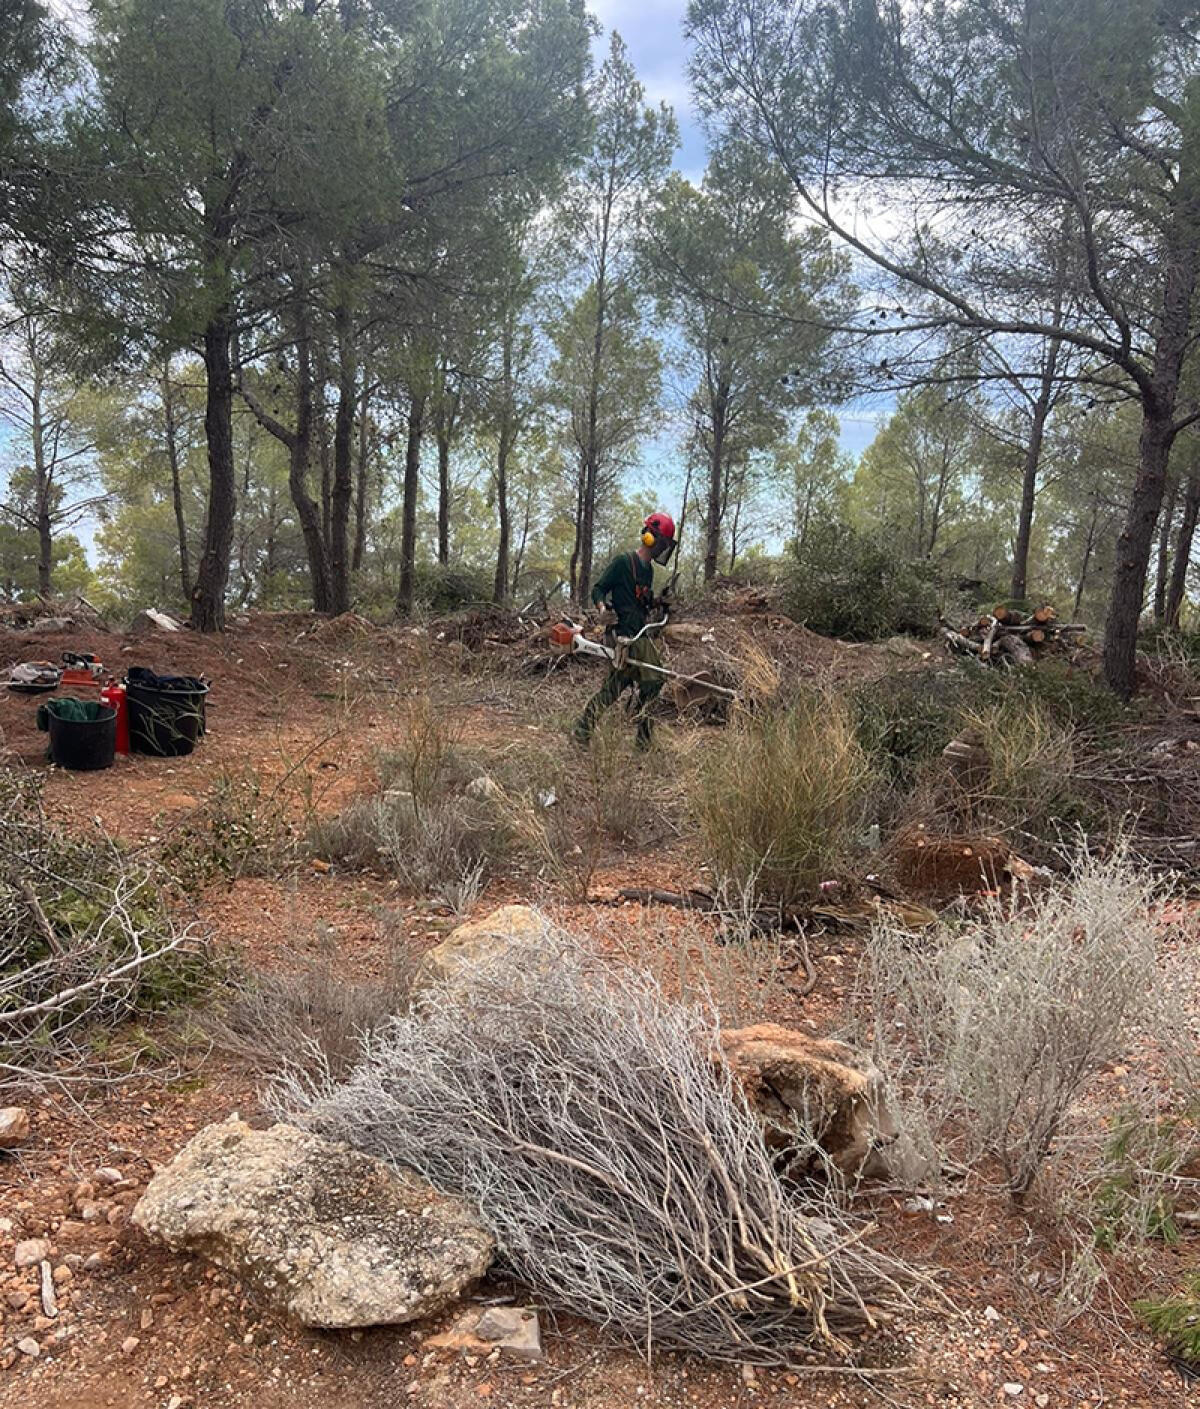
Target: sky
653, 33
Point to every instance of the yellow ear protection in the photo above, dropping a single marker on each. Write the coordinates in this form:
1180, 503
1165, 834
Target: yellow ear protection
648, 539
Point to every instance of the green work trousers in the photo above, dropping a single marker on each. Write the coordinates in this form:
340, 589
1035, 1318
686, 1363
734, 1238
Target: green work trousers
645, 684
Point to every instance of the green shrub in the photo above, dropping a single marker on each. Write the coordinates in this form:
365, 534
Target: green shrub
781, 798
242, 827
1177, 1320
840, 584
904, 721
1134, 1198
439, 588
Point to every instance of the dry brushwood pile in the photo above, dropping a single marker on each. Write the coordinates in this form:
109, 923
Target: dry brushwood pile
1005, 636
584, 1114
86, 938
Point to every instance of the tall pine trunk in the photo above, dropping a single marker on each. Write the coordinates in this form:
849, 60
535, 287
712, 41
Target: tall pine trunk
41, 489
443, 512
362, 491
308, 511
716, 485
1183, 552
1019, 586
172, 438
408, 526
1136, 541
343, 460
208, 592
1166, 521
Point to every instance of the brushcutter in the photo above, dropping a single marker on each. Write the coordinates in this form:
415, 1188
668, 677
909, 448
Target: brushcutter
567, 636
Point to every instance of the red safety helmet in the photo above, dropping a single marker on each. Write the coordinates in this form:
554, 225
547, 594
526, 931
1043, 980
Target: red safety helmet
660, 525
658, 534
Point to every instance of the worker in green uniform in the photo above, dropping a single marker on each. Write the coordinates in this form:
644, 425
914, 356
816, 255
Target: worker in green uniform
627, 586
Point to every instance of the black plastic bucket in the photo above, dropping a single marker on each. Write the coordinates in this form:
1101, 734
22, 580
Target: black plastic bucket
165, 722
83, 744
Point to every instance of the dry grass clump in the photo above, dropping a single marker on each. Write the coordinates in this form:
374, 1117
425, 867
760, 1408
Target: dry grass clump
565, 806
994, 1026
624, 1177
781, 797
1031, 760
309, 1016
444, 849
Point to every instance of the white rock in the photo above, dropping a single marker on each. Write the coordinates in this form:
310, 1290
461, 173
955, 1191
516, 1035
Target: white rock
1012, 1389
14, 1127
31, 1251
153, 620
990, 1314
327, 1235
108, 1174
29, 1347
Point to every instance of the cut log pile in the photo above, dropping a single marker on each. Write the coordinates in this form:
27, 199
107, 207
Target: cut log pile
1005, 636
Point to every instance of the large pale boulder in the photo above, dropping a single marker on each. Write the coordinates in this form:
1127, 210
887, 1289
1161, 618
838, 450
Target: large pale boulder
327, 1235
468, 944
826, 1087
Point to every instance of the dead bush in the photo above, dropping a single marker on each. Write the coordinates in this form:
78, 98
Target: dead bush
624, 1177
444, 848
781, 797
995, 1025
86, 940
307, 1016
722, 959
426, 760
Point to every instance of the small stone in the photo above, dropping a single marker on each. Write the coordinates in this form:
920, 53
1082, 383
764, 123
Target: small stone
129, 1345
83, 1192
14, 1127
18, 1300
31, 1251
147, 1318
62, 1273
512, 1329
108, 1174
1012, 1389
28, 1346
1041, 1400
990, 1314
161, 1382
90, 1211
748, 1375
93, 1261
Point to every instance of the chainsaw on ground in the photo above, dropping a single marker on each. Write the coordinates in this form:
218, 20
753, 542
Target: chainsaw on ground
566, 636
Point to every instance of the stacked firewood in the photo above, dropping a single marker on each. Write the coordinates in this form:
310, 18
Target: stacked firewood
1005, 636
